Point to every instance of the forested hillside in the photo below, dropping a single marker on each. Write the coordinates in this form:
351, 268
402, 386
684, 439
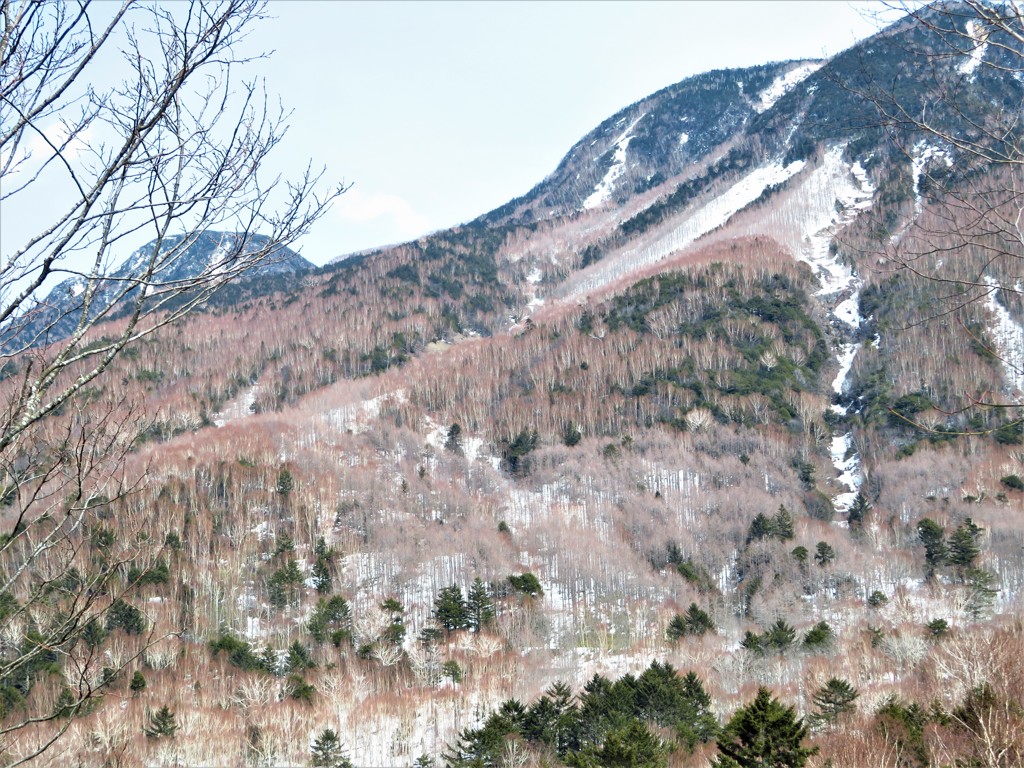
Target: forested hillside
700, 434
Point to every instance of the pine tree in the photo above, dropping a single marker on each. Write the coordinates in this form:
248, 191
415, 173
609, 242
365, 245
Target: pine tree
161, 723
981, 591
964, 546
453, 439
285, 482
450, 608
932, 536
780, 636
819, 637
760, 528
326, 751
858, 511
703, 725
123, 615
782, 524
833, 699
479, 605
138, 683
321, 576
694, 622
763, 734
629, 746
824, 554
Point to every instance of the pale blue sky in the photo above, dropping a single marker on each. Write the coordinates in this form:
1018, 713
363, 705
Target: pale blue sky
441, 111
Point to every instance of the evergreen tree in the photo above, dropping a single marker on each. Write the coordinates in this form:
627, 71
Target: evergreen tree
753, 643
160, 724
138, 683
932, 535
760, 528
800, 554
283, 586
330, 620
479, 605
571, 435
782, 524
858, 510
126, 616
819, 637
964, 546
394, 633
694, 622
526, 583
877, 599
937, 628
981, 591
824, 554
450, 609
299, 658
631, 746
321, 576
763, 734
780, 636
452, 671
453, 439
285, 482
326, 751
832, 700
702, 724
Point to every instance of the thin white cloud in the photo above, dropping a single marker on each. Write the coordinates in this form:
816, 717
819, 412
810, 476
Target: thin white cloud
358, 206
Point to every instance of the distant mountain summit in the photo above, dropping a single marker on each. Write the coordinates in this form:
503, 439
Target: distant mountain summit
208, 254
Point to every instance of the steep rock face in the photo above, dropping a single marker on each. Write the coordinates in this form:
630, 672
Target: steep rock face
209, 254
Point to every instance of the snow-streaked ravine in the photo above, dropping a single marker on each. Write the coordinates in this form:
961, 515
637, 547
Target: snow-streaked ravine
603, 191
850, 191
1008, 336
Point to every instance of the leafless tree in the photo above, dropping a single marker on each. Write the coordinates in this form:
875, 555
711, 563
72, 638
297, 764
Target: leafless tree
124, 124
954, 115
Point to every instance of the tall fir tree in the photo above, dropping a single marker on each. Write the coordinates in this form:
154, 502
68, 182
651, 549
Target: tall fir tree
450, 609
764, 734
479, 605
782, 524
326, 751
833, 699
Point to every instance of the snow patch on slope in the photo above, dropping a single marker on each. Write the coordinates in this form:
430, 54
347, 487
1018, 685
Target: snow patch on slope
238, 408
1008, 336
783, 84
710, 216
356, 417
977, 51
603, 191
920, 156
